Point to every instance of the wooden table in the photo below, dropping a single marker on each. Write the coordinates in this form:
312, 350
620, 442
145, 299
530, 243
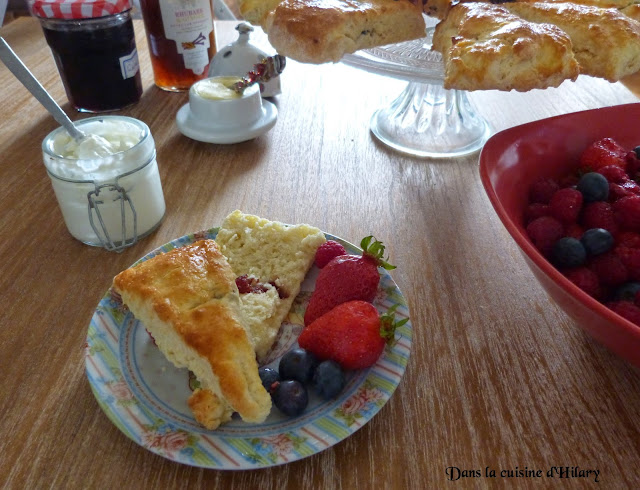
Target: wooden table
498, 376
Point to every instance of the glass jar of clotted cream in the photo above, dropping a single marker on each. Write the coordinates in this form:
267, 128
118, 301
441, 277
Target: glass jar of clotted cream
107, 185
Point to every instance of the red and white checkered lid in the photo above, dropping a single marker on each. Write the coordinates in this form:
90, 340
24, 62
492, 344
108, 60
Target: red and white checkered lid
78, 9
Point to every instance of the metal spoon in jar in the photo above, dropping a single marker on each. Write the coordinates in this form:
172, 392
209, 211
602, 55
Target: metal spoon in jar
22, 73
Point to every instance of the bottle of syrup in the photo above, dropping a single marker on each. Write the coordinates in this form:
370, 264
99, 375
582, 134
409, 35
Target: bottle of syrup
181, 41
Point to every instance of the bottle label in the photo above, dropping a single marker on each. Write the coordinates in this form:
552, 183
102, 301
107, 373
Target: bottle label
189, 23
129, 64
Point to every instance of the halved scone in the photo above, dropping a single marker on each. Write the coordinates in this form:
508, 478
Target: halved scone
188, 300
270, 260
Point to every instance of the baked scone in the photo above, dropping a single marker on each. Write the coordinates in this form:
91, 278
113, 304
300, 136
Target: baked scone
188, 300
618, 4
435, 8
271, 260
605, 42
484, 46
440, 8
632, 11
320, 31
255, 11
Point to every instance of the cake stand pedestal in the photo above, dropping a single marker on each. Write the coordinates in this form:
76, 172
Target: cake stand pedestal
425, 120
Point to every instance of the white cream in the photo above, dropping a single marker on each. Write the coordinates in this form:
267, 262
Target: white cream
116, 146
99, 155
217, 88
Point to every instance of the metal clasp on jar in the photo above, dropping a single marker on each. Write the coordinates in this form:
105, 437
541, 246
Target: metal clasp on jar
94, 204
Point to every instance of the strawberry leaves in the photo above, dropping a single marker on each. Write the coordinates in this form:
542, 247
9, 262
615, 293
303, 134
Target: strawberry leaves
374, 250
389, 325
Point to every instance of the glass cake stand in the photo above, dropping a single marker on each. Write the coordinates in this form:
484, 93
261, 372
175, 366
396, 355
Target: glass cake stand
425, 119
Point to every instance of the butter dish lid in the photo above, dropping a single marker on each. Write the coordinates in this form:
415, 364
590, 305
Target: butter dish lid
239, 57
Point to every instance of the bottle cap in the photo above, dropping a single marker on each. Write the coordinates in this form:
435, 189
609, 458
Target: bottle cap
78, 9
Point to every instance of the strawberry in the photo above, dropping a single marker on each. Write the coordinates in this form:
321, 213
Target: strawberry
585, 279
630, 258
352, 334
614, 174
629, 239
536, 210
618, 191
626, 212
609, 269
544, 232
633, 163
603, 153
346, 278
542, 190
626, 309
599, 214
574, 230
328, 251
566, 205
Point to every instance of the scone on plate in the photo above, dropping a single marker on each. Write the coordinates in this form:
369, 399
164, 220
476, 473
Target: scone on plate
270, 260
320, 31
188, 300
485, 46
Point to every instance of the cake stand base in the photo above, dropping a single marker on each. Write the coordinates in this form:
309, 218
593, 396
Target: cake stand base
427, 120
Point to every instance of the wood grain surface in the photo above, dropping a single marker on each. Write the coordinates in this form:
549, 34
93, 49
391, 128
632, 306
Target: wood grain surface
498, 376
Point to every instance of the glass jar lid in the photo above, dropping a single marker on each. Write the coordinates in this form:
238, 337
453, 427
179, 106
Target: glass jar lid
78, 9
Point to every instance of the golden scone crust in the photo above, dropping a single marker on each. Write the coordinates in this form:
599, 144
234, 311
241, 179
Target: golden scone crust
319, 31
256, 11
605, 42
440, 8
188, 300
632, 11
436, 8
484, 46
618, 4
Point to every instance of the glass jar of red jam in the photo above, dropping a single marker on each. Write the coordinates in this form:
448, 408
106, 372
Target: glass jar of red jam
93, 44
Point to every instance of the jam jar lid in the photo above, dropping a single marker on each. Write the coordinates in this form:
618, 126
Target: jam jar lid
78, 9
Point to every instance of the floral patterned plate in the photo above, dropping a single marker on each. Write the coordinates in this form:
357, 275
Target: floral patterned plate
144, 395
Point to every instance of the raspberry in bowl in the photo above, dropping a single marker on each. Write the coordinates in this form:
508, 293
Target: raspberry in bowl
532, 175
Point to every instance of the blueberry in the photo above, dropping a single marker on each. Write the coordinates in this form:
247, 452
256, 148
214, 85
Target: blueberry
290, 397
627, 292
594, 187
328, 379
597, 241
297, 364
568, 252
268, 376
636, 150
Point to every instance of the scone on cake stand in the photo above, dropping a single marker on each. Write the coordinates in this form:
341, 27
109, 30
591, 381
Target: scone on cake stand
426, 119
388, 37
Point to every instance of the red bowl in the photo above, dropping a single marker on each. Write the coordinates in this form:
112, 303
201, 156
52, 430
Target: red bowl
513, 159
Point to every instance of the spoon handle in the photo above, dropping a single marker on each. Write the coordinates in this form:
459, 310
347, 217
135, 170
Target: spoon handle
22, 73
